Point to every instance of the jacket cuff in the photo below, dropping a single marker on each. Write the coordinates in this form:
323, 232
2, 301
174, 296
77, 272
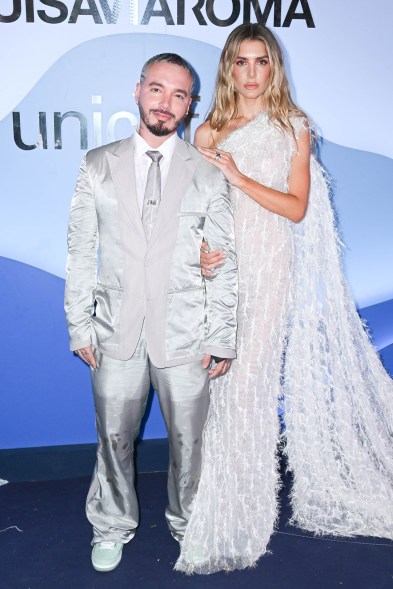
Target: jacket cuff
80, 344
220, 352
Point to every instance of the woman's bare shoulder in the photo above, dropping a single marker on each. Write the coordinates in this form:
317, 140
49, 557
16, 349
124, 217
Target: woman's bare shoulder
204, 135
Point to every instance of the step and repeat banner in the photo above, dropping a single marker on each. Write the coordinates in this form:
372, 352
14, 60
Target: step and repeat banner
68, 72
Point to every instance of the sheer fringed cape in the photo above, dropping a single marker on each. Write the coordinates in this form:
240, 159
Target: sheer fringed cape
316, 356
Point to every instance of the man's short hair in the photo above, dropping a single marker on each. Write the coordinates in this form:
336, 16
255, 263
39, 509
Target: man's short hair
168, 58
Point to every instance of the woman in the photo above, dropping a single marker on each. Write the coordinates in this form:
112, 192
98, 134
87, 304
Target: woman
299, 337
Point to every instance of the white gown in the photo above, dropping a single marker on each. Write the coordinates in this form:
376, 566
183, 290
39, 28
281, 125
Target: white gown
300, 342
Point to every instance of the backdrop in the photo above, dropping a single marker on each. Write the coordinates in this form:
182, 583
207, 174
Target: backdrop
68, 72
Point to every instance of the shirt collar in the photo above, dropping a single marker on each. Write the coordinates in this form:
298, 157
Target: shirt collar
166, 148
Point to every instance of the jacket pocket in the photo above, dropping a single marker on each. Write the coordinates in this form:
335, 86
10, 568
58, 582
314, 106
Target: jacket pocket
102, 286
106, 318
191, 214
184, 289
185, 323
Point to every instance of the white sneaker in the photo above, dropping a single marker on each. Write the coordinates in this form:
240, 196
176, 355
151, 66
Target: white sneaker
106, 556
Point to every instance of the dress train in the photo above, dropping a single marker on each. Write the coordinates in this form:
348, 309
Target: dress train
337, 395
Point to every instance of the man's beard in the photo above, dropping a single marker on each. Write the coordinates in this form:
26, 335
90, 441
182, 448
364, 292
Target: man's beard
159, 129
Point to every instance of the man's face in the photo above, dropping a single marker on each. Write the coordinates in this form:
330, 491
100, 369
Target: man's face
163, 99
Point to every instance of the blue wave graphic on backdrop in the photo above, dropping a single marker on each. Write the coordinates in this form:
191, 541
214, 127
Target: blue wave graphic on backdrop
362, 195
47, 398
38, 184
46, 391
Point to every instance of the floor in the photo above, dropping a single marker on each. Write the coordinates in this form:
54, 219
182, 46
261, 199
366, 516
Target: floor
44, 544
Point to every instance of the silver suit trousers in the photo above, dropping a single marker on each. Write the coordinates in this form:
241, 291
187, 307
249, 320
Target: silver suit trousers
121, 389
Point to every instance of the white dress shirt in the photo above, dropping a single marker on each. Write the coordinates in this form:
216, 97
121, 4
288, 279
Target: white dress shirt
143, 161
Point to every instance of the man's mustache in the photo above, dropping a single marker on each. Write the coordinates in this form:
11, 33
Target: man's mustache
163, 112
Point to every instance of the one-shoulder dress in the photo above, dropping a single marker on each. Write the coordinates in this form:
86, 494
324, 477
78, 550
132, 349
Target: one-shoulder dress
301, 346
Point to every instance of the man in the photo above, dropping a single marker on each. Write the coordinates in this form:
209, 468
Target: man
149, 317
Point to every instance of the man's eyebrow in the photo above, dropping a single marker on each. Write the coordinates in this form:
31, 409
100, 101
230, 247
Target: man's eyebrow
182, 91
162, 86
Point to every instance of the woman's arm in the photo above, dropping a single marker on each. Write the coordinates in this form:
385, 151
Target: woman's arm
204, 137
293, 204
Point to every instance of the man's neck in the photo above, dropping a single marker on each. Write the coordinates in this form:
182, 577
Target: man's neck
151, 139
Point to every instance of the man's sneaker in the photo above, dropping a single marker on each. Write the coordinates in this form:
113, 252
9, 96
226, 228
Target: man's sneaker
106, 555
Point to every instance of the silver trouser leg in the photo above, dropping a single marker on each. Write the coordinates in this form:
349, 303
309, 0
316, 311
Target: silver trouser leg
183, 392
120, 393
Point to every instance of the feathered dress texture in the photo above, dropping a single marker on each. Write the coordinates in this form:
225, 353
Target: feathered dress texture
337, 396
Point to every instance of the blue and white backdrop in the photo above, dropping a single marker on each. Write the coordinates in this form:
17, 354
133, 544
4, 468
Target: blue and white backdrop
68, 72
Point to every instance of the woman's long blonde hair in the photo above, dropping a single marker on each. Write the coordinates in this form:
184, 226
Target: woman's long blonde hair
277, 96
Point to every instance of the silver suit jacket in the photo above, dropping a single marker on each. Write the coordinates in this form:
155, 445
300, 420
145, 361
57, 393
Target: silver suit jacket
116, 280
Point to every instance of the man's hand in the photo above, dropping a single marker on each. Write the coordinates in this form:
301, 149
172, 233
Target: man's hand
219, 368
86, 354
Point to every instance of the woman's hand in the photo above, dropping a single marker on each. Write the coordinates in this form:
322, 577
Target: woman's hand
224, 161
291, 204
210, 260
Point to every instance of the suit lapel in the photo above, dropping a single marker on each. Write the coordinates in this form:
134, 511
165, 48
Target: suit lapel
121, 164
179, 177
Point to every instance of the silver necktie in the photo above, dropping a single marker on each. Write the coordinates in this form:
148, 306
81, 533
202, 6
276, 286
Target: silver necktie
152, 198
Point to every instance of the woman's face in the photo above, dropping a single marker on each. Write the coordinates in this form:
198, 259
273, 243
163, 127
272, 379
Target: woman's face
251, 69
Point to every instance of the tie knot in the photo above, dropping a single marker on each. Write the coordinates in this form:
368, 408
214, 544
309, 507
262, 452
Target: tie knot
156, 156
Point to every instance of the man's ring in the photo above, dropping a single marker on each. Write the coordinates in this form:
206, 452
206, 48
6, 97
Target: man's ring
218, 155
